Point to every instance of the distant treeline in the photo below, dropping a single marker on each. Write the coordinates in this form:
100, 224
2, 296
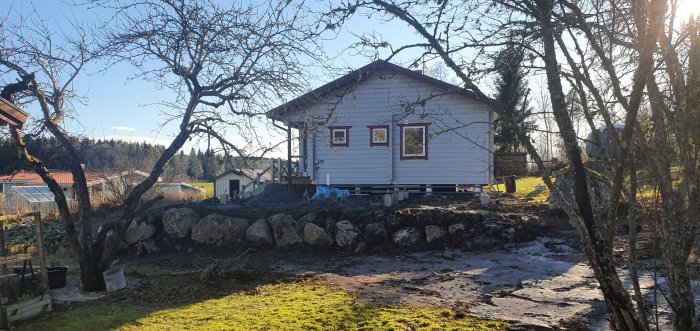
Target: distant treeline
114, 155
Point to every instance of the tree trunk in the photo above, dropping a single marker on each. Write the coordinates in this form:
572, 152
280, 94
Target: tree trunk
681, 295
619, 301
91, 275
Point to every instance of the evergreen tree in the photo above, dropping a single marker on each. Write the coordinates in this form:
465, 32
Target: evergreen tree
512, 92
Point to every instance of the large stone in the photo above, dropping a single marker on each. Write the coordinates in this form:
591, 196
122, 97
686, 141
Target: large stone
316, 236
177, 222
260, 233
345, 234
375, 232
407, 236
215, 229
598, 188
330, 226
456, 229
284, 230
138, 231
434, 233
308, 218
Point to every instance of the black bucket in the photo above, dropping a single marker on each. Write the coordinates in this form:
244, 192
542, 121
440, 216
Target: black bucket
57, 277
510, 184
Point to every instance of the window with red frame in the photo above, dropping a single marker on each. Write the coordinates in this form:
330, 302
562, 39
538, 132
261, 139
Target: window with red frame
414, 141
378, 135
340, 136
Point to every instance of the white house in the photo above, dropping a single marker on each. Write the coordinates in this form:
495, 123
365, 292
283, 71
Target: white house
384, 125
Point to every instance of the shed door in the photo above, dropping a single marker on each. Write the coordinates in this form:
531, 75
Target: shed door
234, 185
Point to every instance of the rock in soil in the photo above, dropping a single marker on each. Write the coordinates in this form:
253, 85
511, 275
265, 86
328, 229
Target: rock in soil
177, 222
284, 230
407, 236
260, 233
315, 235
346, 233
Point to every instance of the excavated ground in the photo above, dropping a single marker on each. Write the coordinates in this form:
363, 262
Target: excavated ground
540, 284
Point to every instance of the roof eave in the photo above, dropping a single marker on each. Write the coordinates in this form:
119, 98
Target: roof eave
361, 74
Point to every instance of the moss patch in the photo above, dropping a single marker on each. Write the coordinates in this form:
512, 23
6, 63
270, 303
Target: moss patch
295, 305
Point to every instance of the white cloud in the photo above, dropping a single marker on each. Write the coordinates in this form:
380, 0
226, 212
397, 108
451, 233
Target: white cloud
123, 128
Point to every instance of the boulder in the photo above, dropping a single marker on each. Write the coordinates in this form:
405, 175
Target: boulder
149, 246
308, 218
456, 229
406, 236
345, 234
361, 247
316, 236
284, 230
375, 232
138, 231
330, 226
509, 234
434, 232
260, 233
215, 229
177, 222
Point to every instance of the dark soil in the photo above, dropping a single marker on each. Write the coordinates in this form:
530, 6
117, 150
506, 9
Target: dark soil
274, 194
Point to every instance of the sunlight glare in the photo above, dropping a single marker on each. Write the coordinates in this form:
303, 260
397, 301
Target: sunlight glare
687, 8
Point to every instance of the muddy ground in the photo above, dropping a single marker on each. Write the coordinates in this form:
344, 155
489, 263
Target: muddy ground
541, 284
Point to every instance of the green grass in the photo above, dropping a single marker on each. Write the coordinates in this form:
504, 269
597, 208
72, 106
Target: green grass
526, 189
290, 305
208, 187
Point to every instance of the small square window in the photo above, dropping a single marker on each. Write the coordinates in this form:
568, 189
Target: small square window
378, 135
340, 136
414, 141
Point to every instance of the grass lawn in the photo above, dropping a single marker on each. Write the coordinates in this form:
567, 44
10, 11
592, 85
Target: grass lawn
208, 187
183, 302
526, 188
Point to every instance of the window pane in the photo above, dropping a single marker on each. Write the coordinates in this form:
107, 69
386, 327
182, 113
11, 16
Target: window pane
379, 135
414, 144
339, 136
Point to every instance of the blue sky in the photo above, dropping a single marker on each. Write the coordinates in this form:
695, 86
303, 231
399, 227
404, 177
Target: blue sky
116, 106
124, 108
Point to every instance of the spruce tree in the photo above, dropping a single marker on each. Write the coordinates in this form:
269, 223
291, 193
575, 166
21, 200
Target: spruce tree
511, 91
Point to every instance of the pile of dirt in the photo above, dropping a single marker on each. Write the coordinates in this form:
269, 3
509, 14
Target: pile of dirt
275, 194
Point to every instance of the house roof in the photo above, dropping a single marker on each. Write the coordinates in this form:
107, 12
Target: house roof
360, 75
250, 173
232, 171
161, 185
11, 114
62, 177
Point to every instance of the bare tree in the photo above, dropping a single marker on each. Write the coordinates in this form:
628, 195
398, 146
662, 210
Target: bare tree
223, 64
612, 51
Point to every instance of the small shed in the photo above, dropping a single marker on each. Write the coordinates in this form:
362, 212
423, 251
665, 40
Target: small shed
234, 184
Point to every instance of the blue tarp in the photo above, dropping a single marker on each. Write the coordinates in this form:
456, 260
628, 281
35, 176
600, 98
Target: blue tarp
327, 192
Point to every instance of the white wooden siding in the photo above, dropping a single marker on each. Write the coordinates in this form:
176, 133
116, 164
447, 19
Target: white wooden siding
459, 147
221, 183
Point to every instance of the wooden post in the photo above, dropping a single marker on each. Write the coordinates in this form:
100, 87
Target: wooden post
2, 246
2, 238
40, 249
289, 157
279, 167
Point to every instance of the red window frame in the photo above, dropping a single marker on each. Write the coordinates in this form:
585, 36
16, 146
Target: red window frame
425, 141
347, 135
372, 143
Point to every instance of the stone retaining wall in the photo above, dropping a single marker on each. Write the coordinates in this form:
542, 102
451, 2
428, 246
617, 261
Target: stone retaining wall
333, 228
